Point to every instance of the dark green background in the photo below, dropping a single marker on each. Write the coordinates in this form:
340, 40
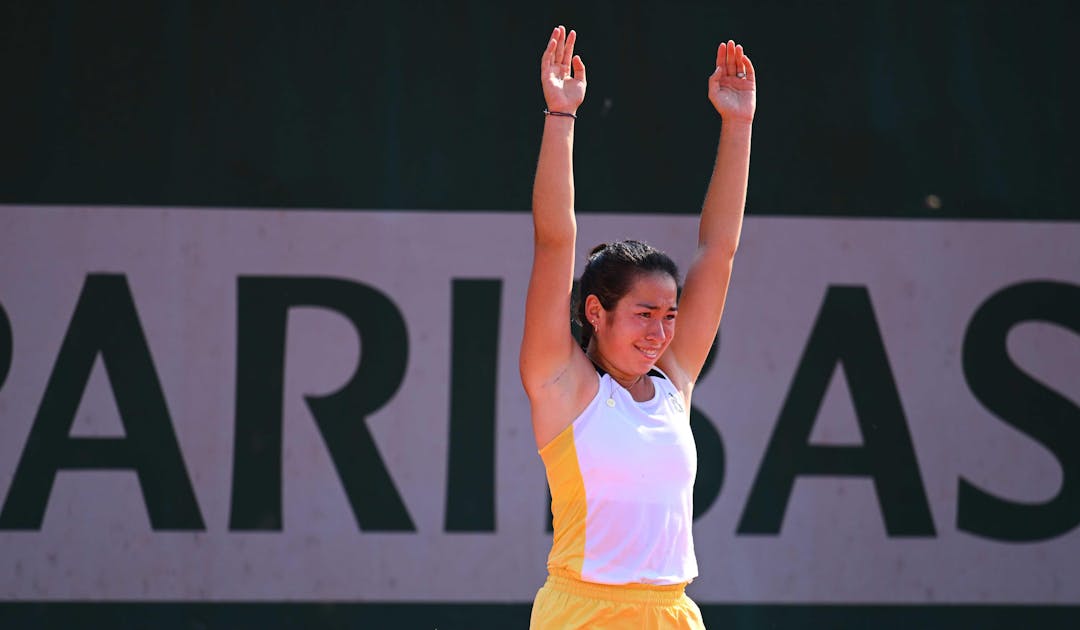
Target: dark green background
431, 616
865, 108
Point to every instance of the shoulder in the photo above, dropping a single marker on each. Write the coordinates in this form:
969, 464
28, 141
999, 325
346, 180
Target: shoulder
556, 404
669, 365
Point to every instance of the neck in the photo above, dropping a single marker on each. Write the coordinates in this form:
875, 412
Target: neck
627, 385
626, 379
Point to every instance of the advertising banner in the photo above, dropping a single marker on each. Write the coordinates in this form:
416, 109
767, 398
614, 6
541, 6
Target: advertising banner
256, 405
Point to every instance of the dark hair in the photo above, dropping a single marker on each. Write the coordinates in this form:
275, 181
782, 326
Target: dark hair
610, 270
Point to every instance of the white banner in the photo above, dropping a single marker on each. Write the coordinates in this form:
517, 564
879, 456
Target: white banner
894, 407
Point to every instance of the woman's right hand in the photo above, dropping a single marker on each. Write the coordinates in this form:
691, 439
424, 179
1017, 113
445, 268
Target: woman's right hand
562, 92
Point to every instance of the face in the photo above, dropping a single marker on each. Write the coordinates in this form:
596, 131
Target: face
633, 335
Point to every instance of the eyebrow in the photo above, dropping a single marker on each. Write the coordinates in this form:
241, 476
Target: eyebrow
653, 307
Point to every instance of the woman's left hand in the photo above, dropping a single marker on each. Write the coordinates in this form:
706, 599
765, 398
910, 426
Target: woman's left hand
732, 87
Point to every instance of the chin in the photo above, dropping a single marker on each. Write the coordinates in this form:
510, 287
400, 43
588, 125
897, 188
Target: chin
646, 361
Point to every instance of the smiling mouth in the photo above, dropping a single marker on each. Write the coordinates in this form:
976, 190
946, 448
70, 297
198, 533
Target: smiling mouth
652, 354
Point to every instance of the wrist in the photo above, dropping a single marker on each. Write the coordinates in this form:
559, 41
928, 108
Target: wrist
736, 130
737, 121
569, 113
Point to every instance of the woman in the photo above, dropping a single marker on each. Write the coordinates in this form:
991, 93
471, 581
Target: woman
611, 416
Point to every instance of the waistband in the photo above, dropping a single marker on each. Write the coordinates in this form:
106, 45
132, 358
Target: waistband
632, 593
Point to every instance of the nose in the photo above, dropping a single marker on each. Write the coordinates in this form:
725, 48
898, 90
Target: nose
656, 330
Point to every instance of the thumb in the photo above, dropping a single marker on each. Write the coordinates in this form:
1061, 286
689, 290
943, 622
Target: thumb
579, 68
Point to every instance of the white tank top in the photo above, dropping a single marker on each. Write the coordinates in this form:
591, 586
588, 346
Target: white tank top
622, 483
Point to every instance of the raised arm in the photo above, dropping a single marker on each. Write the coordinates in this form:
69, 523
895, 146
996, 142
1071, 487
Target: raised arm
548, 348
732, 90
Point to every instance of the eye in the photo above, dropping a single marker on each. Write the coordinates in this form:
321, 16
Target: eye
645, 314
671, 316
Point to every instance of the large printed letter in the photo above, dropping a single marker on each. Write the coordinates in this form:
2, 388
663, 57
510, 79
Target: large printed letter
710, 449
263, 305
1027, 405
5, 345
846, 333
105, 323
470, 482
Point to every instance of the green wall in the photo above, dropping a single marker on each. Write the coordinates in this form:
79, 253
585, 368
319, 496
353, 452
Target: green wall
865, 109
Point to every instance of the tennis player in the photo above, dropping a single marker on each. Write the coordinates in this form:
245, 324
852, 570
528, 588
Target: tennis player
611, 413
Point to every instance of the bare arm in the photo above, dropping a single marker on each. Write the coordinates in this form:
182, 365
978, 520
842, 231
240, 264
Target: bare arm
548, 350
705, 289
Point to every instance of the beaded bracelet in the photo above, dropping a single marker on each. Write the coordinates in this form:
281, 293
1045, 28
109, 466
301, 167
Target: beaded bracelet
567, 114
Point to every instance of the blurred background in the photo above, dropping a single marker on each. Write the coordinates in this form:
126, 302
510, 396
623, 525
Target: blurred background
916, 111
912, 109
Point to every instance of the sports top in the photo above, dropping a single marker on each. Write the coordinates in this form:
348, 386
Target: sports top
622, 482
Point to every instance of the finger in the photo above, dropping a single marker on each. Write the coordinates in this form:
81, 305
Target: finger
549, 53
730, 58
740, 65
554, 34
721, 63
749, 68
560, 44
579, 68
569, 55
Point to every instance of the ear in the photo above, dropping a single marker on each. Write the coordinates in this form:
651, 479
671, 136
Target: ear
593, 309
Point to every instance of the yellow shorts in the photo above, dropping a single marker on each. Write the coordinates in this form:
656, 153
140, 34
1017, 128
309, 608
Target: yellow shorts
564, 602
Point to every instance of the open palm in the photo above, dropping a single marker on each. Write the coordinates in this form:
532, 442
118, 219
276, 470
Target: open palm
563, 92
733, 86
